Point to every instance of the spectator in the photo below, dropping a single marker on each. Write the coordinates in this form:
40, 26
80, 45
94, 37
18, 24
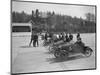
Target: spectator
32, 39
78, 35
35, 38
66, 37
70, 37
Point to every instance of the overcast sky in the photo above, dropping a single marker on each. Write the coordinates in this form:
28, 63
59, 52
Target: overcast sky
71, 10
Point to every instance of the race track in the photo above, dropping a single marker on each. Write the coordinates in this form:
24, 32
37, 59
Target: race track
39, 59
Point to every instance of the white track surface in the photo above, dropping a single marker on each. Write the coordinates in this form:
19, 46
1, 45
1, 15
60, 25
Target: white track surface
29, 59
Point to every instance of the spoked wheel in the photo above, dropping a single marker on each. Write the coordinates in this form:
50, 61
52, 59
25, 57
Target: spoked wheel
61, 54
64, 54
88, 52
57, 54
50, 48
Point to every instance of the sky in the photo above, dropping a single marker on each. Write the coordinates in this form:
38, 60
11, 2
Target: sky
71, 10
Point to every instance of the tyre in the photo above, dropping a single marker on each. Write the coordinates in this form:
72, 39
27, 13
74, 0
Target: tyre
57, 54
88, 52
64, 54
50, 48
61, 54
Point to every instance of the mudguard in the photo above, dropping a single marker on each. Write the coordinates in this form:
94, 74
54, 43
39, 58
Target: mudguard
86, 47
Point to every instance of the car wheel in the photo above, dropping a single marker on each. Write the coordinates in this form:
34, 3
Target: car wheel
64, 54
88, 52
57, 54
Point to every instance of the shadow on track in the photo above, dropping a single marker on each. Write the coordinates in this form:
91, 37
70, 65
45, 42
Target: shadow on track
26, 46
48, 52
57, 60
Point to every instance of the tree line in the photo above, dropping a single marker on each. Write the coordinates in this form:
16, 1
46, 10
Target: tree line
57, 22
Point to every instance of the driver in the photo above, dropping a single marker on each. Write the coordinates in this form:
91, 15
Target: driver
80, 43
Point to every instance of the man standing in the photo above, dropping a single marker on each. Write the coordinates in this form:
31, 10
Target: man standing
78, 35
46, 36
35, 38
32, 38
67, 40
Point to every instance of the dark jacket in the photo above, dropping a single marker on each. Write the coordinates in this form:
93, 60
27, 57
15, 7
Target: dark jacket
35, 37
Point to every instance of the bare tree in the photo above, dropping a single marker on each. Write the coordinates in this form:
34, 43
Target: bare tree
90, 17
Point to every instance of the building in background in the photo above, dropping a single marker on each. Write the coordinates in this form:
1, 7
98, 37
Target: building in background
21, 27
